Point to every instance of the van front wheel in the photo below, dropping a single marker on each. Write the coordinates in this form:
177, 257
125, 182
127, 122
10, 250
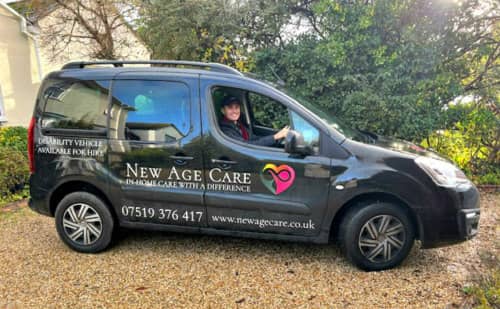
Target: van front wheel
84, 222
377, 236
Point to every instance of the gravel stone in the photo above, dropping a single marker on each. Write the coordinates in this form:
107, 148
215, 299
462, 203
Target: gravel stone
155, 270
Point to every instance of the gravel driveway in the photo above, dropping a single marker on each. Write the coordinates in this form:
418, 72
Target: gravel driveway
148, 270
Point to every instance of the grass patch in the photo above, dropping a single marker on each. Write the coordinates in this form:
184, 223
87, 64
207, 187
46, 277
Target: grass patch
484, 292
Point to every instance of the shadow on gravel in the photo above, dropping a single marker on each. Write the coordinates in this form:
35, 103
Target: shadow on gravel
245, 248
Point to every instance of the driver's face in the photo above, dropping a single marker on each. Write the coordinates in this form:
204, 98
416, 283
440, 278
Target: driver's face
232, 111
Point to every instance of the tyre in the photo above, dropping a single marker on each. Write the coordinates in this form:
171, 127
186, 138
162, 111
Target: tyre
84, 222
376, 236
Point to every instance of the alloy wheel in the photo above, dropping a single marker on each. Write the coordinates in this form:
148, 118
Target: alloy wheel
82, 224
381, 238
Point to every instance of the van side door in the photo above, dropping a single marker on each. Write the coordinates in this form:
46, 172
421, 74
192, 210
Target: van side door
255, 188
155, 159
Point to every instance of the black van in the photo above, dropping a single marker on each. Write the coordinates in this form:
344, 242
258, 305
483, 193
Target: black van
142, 147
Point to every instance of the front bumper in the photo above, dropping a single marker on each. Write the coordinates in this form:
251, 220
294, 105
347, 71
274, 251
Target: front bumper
452, 218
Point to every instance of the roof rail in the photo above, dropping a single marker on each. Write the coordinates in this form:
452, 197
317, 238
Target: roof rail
216, 67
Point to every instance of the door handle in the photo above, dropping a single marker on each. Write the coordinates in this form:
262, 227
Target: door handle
185, 158
217, 161
181, 160
224, 164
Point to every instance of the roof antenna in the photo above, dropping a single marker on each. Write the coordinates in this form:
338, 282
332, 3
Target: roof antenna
280, 82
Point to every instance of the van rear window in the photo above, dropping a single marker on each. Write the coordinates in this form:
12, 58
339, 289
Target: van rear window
76, 105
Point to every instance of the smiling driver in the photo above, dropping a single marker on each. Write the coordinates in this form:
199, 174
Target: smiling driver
234, 128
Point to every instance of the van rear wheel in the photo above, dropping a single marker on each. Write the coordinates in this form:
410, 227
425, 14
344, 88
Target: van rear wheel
84, 222
377, 236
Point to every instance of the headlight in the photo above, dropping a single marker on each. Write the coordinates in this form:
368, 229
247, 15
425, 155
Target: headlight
443, 173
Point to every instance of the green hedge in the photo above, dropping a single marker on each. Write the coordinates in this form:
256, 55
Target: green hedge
14, 138
14, 171
14, 166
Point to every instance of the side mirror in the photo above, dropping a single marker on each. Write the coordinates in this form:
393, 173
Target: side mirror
295, 144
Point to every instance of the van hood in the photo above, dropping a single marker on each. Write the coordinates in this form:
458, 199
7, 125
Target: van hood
403, 146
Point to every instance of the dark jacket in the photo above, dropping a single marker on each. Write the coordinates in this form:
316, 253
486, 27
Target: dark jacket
233, 131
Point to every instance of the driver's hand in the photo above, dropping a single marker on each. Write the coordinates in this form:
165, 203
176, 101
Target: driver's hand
282, 133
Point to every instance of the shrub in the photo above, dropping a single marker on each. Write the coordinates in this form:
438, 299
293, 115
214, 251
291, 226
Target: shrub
489, 179
15, 138
473, 143
14, 170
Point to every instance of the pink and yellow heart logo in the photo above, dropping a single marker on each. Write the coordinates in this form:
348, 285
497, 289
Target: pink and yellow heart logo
282, 177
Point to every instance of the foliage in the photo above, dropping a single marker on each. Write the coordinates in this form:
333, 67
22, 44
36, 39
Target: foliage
485, 290
400, 62
492, 178
14, 170
215, 31
473, 144
194, 30
15, 138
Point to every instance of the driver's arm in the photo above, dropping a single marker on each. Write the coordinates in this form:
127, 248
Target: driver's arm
270, 140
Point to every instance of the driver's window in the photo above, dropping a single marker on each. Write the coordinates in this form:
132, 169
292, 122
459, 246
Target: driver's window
306, 130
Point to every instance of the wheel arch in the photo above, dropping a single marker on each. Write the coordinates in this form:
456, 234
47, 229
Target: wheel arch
73, 186
373, 197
